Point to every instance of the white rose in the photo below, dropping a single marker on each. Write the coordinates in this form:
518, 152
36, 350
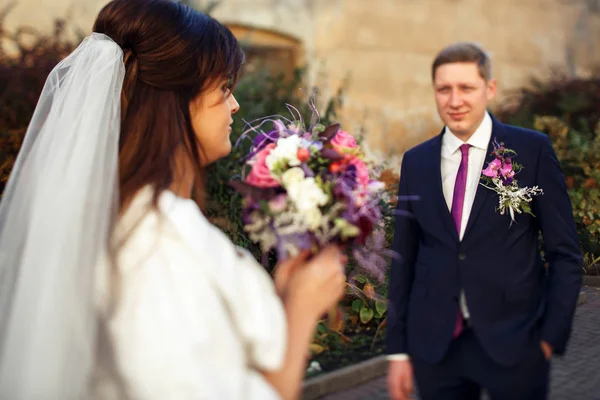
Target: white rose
376, 186
285, 152
306, 194
313, 217
292, 176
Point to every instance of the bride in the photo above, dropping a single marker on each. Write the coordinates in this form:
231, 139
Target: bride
113, 284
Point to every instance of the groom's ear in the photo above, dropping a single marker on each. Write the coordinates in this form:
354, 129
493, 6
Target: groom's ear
491, 89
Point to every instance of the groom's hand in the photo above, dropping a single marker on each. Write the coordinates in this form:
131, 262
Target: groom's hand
547, 349
400, 379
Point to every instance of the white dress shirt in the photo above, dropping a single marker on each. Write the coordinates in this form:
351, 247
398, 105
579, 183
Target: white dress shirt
451, 157
450, 162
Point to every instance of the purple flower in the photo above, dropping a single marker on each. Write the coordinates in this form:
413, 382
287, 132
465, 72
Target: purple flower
302, 241
331, 154
307, 171
373, 257
278, 204
348, 177
264, 139
507, 181
293, 129
507, 174
492, 168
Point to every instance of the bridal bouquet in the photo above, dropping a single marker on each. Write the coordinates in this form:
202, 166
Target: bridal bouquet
306, 187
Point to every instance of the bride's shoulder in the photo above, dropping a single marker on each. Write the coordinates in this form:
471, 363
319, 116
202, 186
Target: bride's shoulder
170, 215
185, 218
176, 234
175, 224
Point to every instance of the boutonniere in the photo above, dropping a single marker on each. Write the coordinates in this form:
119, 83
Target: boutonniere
499, 176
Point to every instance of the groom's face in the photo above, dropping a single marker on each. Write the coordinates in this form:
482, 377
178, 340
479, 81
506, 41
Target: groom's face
462, 96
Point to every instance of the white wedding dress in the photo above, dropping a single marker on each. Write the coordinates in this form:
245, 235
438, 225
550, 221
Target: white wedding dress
195, 317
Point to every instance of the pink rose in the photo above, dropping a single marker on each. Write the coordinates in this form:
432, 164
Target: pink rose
343, 139
260, 175
362, 172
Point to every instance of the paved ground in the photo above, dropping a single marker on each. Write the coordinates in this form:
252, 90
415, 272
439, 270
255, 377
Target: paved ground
574, 377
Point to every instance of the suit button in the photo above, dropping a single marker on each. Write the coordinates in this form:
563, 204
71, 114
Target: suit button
462, 256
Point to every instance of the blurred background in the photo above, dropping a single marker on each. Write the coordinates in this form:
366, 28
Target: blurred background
380, 51
371, 62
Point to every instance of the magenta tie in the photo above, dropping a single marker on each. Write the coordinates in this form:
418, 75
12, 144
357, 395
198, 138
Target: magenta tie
458, 201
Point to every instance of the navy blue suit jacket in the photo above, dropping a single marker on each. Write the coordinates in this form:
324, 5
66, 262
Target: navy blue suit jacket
513, 299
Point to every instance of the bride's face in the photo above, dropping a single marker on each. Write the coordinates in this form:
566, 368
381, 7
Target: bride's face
211, 115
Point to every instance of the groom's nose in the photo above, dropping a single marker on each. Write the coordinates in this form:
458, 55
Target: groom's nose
455, 99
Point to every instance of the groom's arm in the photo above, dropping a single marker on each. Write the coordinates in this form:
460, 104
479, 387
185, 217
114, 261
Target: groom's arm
406, 237
561, 248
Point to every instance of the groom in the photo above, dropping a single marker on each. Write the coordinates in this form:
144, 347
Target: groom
472, 303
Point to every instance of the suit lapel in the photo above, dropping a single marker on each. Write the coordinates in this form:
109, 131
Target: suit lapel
483, 194
438, 197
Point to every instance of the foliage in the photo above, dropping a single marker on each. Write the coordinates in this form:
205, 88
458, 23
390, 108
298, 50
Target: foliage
580, 159
573, 100
356, 330
26, 59
206, 6
568, 110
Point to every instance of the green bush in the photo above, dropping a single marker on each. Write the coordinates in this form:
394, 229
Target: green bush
573, 100
568, 110
23, 72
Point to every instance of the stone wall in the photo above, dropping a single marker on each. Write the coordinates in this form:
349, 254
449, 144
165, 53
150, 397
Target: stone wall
387, 46
384, 48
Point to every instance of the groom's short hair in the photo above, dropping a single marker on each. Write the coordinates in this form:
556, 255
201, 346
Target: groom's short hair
464, 52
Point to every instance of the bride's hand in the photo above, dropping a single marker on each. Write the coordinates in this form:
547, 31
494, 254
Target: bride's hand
308, 288
315, 286
285, 269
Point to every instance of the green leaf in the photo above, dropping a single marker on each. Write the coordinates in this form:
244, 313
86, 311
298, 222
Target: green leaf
360, 278
316, 348
321, 328
264, 207
381, 307
357, 305
347, 230
366, 314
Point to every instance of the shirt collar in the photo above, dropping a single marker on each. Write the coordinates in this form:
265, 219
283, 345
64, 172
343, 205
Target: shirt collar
480, 139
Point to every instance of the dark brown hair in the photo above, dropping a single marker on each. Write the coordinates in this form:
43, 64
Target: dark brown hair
464, 52
172, 54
